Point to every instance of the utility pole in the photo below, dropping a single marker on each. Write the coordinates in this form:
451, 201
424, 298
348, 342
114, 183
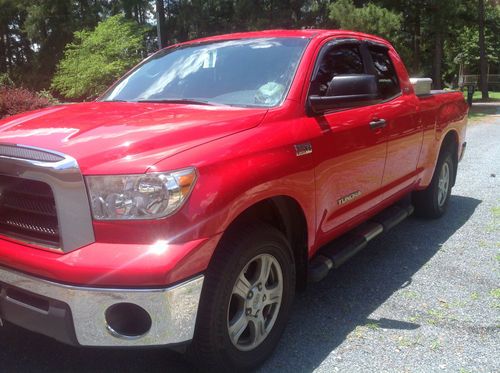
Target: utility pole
160, 24
483, 59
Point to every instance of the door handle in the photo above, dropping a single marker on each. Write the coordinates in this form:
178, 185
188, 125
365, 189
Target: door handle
378, 123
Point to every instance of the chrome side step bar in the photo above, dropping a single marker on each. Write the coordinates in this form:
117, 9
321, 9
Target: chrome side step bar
337, 252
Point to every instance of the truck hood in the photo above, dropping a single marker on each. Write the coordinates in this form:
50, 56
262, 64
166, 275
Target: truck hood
124, 137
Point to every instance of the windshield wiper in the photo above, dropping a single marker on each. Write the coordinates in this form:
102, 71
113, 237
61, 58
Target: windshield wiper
187, 101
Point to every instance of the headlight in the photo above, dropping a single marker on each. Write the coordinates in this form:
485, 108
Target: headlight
145, 196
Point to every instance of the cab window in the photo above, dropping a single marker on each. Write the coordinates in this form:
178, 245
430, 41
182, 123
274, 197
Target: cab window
338, 60
386, 75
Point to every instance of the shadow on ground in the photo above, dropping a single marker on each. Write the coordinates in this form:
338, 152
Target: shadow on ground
322, 318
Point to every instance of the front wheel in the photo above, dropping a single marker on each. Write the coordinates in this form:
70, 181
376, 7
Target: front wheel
433, 201
246, 299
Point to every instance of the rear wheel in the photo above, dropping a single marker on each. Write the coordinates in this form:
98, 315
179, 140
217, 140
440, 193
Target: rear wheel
433, 201
246, 299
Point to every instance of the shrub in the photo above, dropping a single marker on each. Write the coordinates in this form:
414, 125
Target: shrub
97, 58
5, 80
46, 95
17, 100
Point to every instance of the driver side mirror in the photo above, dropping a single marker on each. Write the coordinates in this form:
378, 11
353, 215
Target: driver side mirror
346, 91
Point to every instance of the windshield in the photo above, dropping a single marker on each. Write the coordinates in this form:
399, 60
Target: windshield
245, 72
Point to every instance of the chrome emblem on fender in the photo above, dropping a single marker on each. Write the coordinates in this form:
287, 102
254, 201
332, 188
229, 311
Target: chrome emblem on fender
303, 149
348, 198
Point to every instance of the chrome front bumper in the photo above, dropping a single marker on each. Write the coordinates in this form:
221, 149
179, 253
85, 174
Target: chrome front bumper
172, 310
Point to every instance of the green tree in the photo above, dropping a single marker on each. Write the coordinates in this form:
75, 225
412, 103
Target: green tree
465, 49
483, 59
410, 35
49, 25
96, 58
432, 36
370, 18
16, 53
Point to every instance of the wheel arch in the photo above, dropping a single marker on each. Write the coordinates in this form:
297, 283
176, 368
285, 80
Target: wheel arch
286, 215
450, 142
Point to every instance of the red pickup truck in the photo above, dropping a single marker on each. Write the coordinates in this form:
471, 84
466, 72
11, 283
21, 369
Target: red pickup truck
187, 204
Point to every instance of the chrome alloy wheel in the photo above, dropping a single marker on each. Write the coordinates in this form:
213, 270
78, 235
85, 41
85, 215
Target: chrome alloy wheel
443, 184
255, 302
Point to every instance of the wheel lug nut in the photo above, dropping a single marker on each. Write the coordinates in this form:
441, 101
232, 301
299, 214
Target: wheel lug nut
259, 287
248, 311
264, 298
250, 294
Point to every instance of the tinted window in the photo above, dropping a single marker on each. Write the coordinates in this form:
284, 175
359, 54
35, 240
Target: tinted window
339, 60
387, 78
245, 72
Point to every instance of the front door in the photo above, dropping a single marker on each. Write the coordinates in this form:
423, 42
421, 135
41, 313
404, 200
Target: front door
349, 151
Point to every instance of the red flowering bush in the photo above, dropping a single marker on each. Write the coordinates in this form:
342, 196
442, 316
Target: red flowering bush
17, 100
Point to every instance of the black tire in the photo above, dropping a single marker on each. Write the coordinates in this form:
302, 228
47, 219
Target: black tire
427, 202
212, 348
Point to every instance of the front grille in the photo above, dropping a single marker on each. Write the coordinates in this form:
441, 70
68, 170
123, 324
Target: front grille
28, 211
28, 153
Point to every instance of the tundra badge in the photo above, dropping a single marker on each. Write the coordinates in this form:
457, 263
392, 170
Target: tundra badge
348, 198
303, 149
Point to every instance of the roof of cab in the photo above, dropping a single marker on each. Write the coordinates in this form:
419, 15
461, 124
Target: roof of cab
305, 33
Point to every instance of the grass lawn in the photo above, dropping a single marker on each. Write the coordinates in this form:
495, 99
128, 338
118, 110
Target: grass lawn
494, 96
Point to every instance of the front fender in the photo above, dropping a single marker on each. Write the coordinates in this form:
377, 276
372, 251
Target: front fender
234, 173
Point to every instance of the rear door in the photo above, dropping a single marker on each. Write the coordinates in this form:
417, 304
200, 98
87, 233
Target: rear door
399, 111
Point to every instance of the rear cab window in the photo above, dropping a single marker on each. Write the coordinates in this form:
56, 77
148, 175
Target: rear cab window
386, 74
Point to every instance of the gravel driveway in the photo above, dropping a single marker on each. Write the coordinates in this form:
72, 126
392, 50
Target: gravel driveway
423, 298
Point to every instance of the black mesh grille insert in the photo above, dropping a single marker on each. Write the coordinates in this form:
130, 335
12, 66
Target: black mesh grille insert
28, 211
28, 153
